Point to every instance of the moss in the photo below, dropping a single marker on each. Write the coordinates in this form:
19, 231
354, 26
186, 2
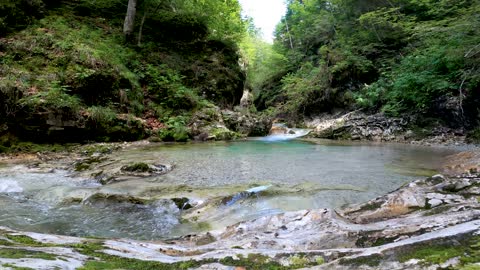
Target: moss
372, 260
17, 146
433, 254
254, 262
4, 242
105, 261
298, 261
136, 167
12, 253
89, 150
25, 240
182, 203
86, 163
467, 249
116, 198
320, 260
224, 134
367, 240
11, 266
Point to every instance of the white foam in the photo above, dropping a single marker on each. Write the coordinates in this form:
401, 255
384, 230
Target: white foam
295, 133
9, 186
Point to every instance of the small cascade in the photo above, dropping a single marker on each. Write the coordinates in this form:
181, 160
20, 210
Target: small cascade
244, 194
280, 132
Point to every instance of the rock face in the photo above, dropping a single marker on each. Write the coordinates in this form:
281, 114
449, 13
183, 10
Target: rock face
357, 126
247, 99
246, 123
428, 224
215, 124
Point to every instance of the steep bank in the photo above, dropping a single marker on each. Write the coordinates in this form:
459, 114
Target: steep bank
68, 75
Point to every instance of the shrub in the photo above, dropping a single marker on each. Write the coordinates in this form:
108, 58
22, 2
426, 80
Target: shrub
56, 98
101, 116
165, 87
176, 130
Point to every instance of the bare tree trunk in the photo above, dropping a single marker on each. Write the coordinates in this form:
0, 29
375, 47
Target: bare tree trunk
141, 29
130, 19
145, 13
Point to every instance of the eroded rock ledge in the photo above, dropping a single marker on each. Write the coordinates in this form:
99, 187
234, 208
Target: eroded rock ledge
428, 224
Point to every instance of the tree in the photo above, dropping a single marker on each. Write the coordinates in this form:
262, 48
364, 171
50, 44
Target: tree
129, 24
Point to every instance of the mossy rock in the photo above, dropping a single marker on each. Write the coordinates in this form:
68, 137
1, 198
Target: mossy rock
182, 203
137, 167
221, 134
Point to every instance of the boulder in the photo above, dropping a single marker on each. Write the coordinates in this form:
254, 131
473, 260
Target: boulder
245, 123
358, 126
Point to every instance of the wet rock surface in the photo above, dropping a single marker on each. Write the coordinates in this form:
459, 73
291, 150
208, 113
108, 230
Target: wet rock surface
435, 213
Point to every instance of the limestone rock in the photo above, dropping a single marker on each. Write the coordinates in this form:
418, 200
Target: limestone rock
357, 126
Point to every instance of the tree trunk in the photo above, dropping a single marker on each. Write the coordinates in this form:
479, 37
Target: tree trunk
130, 19
139, 42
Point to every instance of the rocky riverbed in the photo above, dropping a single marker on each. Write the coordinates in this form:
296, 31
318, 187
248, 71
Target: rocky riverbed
430, 223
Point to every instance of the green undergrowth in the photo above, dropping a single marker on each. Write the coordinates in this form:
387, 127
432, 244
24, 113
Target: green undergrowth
467, 250
251, 262
77, 74
474, 136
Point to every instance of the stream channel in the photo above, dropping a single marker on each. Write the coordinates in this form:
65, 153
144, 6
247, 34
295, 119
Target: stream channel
225, 182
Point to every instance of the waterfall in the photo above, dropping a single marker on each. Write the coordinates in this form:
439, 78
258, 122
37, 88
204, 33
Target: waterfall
280, 132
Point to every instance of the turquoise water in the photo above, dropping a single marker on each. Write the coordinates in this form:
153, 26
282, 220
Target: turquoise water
293, 175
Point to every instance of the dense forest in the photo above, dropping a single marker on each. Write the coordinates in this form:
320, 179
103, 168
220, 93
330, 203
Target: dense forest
414, 57
81, 70
69, 74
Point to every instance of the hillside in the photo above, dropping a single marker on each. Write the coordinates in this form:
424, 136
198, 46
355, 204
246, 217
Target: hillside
417, 60
68, 74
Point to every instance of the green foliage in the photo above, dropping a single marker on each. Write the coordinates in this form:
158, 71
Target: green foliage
101, 116
10, 93
474, 136
176, 130
223, 18
399, 56
55, 98
165, 88
69, 67
15, 14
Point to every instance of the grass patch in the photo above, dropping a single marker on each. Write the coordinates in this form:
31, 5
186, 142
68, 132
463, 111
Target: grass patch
106, 262
468, 250
11, 266
11, 253
4, 242
25, 240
